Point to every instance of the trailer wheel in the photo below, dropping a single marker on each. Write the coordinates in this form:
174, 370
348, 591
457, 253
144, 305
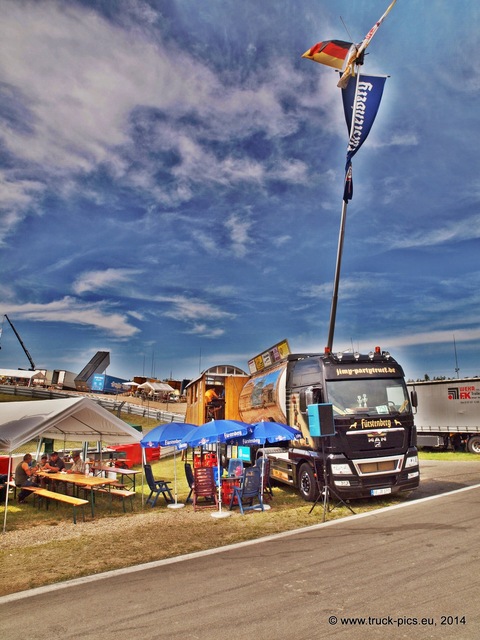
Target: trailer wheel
307, 483
473, 444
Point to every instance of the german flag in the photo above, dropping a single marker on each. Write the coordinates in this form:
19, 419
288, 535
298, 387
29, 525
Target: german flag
331, 52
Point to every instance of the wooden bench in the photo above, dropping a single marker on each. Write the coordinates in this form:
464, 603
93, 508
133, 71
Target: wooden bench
123, 494
60, 497
118, 485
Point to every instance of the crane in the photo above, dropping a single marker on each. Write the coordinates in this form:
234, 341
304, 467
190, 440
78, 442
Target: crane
32, 364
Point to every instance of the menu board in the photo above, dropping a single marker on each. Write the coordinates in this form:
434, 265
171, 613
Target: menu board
269, 357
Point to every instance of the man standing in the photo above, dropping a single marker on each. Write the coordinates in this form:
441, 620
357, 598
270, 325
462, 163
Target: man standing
25, 476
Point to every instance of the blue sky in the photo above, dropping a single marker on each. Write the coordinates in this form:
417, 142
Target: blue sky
171, 177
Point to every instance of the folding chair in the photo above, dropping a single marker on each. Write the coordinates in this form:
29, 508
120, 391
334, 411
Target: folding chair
204, 487
250, 489
157, 488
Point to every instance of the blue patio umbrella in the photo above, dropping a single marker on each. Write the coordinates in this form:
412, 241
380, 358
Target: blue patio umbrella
169, 434
265, 431
166, 435
215, 432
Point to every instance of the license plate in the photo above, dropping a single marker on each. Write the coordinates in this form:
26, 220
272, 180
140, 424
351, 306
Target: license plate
380, 492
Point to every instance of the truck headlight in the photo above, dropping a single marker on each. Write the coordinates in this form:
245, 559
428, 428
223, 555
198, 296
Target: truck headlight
342, 483
411, 461
341, 469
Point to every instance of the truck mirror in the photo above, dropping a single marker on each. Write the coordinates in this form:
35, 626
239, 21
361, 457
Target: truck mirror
414, 398
304, 400
312, 395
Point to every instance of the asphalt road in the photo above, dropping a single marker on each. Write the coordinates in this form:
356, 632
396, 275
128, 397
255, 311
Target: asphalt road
404, 572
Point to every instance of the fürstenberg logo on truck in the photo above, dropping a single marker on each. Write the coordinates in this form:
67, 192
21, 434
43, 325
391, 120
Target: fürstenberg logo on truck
374, 424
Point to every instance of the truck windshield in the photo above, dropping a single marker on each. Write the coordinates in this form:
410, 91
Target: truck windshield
371, 397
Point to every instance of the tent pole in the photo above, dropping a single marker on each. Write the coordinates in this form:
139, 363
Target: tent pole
39, 448
9, 472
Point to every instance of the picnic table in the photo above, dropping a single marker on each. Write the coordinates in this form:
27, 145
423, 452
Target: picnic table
125, 474
79, 480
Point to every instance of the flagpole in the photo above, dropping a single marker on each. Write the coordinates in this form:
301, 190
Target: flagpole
336, 282
341, 237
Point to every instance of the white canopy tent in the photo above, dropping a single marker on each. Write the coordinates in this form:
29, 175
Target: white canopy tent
78, 419
75, 419
156, 387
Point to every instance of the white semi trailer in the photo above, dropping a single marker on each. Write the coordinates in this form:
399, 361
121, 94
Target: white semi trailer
448, 413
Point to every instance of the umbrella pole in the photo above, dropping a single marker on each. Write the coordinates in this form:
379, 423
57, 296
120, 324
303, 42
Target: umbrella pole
266, 507
220, 513
176, 504
144, 462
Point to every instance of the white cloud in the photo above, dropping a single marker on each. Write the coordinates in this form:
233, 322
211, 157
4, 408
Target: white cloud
81, 98
201, 317
239, 234
281, 240
203, 239
16, 196
433, 337
292, 171
396, 140
71, 311
188, 309
466, 228
105, 279
205, 331
349, 288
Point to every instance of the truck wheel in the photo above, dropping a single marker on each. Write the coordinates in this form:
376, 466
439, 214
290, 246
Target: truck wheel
307, 483
473, 444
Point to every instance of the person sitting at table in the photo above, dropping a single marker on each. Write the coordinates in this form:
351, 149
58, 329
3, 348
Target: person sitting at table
214, 403
78, 465
3, 486
42, 466
25, 476
55, 463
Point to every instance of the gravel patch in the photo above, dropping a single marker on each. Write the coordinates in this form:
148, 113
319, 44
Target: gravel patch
45, 533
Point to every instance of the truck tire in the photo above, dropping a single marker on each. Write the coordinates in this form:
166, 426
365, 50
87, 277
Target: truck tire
473, 444
307, 484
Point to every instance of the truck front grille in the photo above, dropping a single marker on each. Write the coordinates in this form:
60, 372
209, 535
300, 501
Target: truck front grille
378, 467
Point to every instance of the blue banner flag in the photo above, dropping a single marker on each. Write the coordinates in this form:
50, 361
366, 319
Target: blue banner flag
361, 101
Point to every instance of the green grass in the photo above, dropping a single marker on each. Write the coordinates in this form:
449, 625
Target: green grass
135, 540
10, 397
448, 455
